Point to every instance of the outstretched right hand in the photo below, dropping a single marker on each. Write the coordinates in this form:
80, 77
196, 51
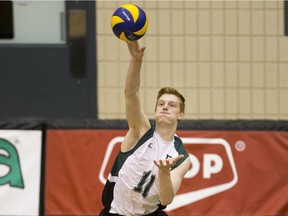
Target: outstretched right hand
135, 50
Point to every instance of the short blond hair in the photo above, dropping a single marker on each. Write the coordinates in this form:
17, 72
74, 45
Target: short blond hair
173, 91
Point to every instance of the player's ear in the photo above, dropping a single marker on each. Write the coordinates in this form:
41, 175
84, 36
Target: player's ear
181, 115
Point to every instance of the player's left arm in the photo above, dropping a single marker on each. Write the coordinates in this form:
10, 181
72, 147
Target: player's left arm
179, 172
170, 181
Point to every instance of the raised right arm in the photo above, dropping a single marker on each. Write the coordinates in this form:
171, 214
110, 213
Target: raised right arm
137, 121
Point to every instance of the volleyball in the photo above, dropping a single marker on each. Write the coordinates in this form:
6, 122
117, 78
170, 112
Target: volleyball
129, 22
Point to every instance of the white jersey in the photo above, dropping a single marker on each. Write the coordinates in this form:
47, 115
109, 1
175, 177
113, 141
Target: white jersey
134, 176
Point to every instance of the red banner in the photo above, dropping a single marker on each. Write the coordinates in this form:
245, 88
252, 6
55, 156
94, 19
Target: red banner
232, 172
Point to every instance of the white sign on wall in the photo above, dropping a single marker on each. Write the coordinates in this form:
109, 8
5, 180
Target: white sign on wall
20, 172
38, 22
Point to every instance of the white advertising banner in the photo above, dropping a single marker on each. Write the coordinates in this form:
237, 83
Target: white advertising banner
20, 172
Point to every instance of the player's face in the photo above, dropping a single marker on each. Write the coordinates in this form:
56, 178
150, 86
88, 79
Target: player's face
168, 109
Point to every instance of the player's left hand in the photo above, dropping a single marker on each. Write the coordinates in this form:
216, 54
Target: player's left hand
168, 163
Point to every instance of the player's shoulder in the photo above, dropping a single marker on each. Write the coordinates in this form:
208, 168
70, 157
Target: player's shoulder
177, 139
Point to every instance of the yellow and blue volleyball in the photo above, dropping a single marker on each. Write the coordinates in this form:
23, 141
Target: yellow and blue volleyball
129, 22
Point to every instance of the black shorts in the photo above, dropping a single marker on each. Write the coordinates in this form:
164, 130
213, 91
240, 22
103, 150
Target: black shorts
156, 213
